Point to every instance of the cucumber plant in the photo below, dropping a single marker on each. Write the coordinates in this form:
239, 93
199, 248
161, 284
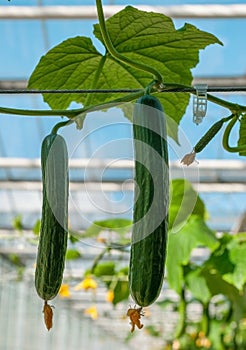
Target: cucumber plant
137, 45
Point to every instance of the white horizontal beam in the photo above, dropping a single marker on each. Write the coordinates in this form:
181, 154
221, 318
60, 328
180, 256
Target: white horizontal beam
207, 171
82, 163
89, 12
225, 81
91, 186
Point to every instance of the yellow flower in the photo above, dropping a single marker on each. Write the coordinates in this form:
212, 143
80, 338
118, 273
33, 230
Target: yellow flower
202, 341
101, 240
176, 344
87, 283
64, 291
92, 312
110, 296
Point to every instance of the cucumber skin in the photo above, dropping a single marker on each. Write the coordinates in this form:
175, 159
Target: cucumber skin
202, 143
53, 231
148, 248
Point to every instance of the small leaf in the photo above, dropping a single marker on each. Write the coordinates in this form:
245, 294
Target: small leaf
72, 254
121, 287
104, 269
73, 236
36, 227
118, 225
17, 223
15, 260
121, 292
153, 331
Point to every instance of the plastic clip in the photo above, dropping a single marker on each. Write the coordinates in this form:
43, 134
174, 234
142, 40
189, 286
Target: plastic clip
200, 103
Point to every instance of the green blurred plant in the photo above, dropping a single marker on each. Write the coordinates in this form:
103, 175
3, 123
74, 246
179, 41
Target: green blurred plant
216, 283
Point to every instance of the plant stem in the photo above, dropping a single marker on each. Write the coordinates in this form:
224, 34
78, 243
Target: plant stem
73, 113
150, 86
40, 112
233, 107
113, 103
182, 315
60, 125
205, 322
98, 258
115, 54
226, 136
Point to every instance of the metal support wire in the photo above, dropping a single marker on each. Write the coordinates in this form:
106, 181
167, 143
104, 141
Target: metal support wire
128, 91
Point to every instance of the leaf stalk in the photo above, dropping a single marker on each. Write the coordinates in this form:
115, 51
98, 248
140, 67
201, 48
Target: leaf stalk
117, 55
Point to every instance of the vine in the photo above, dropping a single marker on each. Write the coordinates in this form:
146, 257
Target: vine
226, 136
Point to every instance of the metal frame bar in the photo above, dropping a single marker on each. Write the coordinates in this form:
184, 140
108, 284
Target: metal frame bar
213, 175
235, 82
89, 12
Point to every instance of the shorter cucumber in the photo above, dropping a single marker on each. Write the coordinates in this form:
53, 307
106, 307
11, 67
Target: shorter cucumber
53, 231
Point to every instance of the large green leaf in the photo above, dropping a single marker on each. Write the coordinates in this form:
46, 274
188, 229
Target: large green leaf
119, 225
151, 38
147, 37
180, 245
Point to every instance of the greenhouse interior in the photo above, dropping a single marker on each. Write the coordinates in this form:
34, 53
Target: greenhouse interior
122, 175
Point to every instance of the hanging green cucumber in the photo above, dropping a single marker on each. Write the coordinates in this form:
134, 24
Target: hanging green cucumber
53, 231
150, 212
205, 139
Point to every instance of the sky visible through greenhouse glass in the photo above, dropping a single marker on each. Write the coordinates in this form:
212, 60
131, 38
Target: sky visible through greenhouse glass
23, 42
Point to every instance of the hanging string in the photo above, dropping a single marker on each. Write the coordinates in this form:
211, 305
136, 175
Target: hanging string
128, 91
